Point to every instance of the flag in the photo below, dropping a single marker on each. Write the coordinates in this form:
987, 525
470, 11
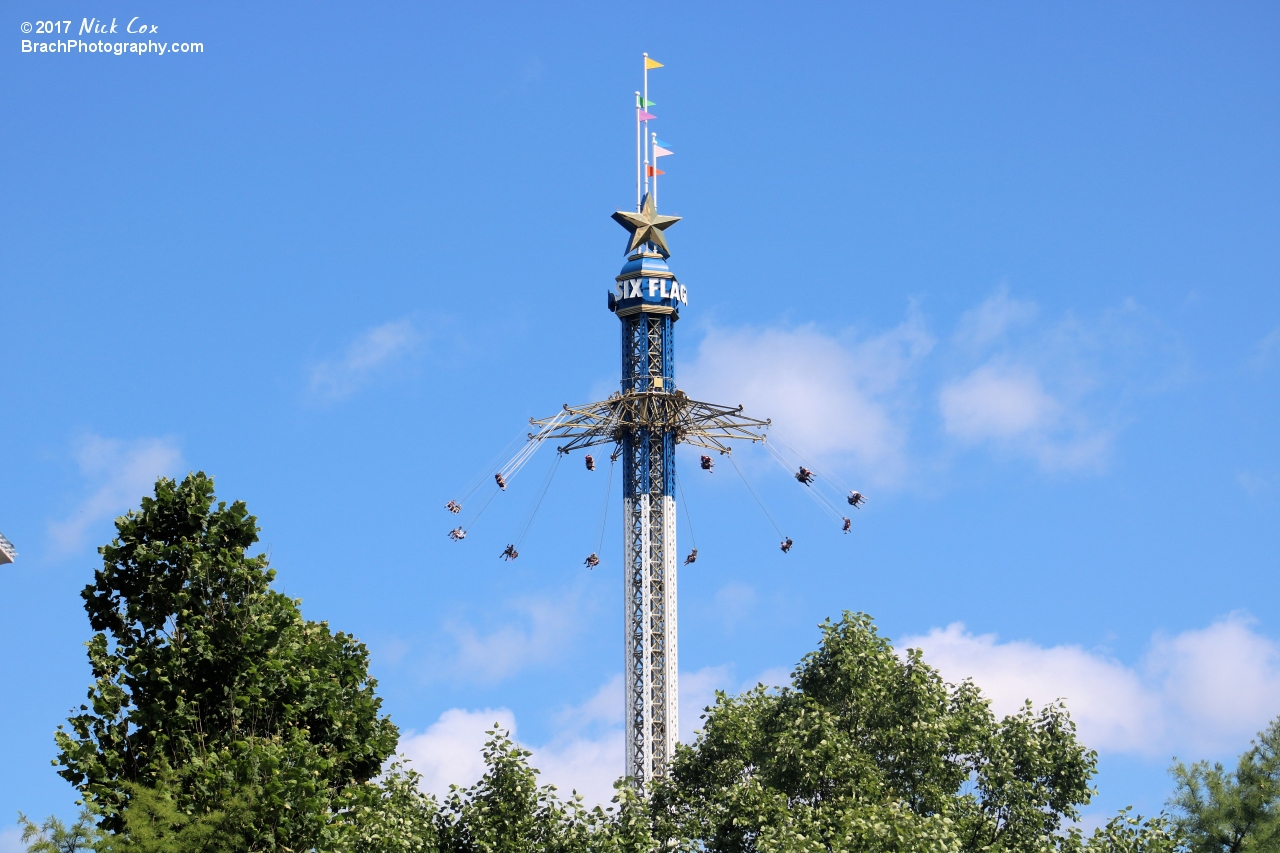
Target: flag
644, 116
651, 63
642, 103
663, 144
659, 151
653, 170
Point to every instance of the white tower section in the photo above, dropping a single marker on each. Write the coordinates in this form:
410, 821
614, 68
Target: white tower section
651, 673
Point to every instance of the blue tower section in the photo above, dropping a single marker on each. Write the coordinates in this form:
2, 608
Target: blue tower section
645, 420
647, 298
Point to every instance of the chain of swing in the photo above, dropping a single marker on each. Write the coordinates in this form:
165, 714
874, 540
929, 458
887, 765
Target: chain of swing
826, 490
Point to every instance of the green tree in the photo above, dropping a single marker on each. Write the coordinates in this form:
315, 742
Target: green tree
871, 751
155, 822
1126, 833
392, 816
201, 667
54, 836
507, 811
628, 830
221, 721
1221, 811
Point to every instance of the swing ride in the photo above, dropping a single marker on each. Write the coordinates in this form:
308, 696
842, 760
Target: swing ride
643, 422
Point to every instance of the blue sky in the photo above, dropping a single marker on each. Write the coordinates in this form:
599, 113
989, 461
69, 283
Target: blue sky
1010, 269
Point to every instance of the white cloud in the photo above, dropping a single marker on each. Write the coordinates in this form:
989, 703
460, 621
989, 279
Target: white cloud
1224, 679
1051, 391
1054, 392
122, 472
587, 751
539, 630
997, 402
579, 757
584, 753
1206, 690
375, 349
588, 765
830, 396
604, 707
1201, 692
449, 751
993, 318
1007, 406
1108, 701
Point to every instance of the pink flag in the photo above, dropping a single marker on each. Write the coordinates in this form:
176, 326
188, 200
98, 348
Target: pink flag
644, 116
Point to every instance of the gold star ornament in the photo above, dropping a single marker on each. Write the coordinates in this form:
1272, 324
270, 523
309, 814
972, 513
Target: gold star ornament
646, 226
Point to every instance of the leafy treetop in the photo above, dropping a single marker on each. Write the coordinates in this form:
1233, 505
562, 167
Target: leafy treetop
202, 670
868, 750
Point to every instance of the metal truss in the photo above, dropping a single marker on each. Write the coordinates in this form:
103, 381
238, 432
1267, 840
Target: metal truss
646, 425
689, 421
645, 421
648, 352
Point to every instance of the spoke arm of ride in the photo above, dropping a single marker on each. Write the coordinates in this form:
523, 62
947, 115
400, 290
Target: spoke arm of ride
705, 425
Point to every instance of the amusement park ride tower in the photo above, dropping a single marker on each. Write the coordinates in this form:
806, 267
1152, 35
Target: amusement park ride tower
645, 420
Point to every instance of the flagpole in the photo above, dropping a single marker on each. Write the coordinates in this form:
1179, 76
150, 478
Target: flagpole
646, 123
655, 175
637, 151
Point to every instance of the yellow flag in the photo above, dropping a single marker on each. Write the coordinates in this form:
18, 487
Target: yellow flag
651, 63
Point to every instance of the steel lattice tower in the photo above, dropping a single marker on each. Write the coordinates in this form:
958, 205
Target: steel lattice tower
645, 420
649, 517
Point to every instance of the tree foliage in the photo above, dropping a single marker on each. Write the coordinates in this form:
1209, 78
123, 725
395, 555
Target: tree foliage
1127, 833
221, 721
202, 671
871, 751
508, 811
1221, 811
54, 836
155, 821
390, 816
